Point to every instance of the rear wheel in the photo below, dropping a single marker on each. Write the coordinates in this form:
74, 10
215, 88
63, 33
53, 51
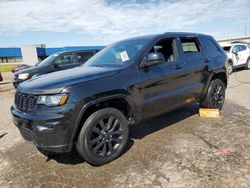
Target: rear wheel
248, 64
103, 137
215, 96
230, 68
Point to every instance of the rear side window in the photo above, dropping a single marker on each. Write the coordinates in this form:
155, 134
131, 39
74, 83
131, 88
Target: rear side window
210, 47
190, 45
242, 47
82, 57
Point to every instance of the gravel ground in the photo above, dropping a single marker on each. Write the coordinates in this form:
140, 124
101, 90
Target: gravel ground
178, 149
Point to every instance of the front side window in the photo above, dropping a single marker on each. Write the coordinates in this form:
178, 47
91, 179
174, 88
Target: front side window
189, 45
65, 59
236, 49
165, 47
118, 54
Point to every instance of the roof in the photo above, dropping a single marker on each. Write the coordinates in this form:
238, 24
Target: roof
184, 34
233, 43
16, 52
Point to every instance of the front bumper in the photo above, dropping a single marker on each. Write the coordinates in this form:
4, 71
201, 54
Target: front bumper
16, 82
48, 128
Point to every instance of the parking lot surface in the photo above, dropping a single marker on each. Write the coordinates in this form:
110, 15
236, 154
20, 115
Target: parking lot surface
178, 149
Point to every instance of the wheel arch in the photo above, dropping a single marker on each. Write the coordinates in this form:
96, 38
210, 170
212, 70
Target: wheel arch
119, 102
217, 74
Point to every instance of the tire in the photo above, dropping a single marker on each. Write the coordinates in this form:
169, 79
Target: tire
247, 66
230, 68
215, 95
103, 136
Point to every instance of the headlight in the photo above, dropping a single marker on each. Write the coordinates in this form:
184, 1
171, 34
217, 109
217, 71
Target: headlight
23, 76
53, 100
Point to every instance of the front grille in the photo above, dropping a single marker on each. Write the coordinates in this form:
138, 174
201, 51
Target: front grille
25, 102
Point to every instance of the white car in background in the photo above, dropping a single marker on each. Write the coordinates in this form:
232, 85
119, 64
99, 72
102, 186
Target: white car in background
238, 55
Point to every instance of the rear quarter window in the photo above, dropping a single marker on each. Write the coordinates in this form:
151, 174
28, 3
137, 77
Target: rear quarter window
210, 47
190, 45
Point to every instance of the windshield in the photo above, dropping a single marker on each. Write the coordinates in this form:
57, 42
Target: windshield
48, 60
118, 54
226, 49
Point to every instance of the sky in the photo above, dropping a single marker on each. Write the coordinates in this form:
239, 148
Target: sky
100, 22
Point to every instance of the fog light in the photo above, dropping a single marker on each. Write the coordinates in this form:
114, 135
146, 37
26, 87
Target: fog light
45, 129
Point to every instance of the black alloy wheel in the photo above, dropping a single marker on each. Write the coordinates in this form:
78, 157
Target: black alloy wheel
106, 136
215, 96
103, 136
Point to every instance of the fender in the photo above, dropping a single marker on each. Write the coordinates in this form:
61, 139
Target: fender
96, 101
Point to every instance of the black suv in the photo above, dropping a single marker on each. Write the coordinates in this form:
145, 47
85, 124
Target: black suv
91, 107
55, 62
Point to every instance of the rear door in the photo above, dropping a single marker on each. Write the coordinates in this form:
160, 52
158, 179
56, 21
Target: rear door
243, 54
193, 68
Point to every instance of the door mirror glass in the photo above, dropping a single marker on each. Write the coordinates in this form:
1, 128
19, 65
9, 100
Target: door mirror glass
153, 58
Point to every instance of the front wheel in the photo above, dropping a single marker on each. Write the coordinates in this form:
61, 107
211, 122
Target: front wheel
215, 96
103, 137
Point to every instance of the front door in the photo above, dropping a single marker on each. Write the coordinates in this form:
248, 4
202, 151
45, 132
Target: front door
161, 85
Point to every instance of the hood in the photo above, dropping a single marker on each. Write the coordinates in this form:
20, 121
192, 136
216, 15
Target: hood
31, 70
55, 82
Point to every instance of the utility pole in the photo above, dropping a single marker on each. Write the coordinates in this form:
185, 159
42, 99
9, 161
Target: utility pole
245, 30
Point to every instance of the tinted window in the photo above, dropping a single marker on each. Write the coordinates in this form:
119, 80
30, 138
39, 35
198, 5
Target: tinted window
190, 45
236, 49
227, 49
82, 57
166, 48
209, 46
65, 59
242, 47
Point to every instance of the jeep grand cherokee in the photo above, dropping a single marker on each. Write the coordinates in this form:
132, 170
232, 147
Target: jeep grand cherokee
91, 107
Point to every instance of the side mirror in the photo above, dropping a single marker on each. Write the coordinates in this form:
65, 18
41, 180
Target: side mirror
153, 58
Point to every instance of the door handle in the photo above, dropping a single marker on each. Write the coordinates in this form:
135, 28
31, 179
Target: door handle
177, 66
207, 60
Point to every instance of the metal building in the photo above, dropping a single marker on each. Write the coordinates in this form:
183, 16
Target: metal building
31, 54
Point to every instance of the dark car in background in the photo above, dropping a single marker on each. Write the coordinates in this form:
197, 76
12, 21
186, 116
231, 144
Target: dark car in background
55, 62
19, 67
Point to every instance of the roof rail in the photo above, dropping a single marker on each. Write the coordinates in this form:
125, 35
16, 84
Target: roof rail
243, 42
